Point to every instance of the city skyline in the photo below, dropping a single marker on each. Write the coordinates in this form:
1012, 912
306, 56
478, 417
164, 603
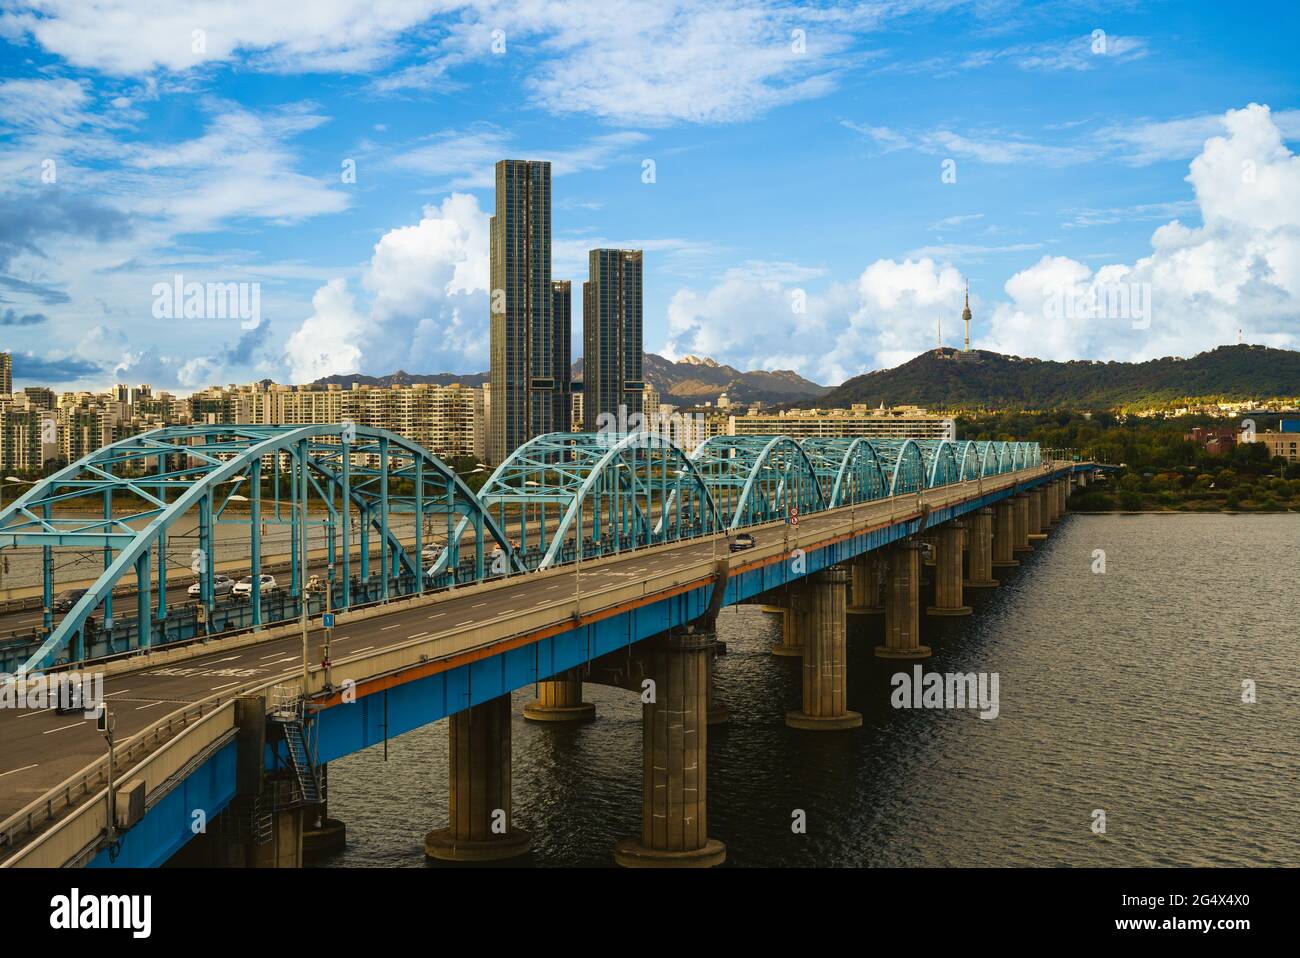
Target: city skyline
904, 149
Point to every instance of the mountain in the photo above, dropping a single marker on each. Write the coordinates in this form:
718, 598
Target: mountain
690, 381
950, 379
403, 378
693, 380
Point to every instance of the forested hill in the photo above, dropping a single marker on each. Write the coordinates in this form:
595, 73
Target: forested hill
954, 380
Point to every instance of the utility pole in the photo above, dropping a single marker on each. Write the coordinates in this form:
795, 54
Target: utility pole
105, 724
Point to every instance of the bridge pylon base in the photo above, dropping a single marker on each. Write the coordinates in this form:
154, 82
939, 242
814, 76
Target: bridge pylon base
799, 719
630, 853
441, 845
560, 700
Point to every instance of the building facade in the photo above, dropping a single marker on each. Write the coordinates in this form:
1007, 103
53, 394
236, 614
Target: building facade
522, 335
611, 335
562, 311
898, 422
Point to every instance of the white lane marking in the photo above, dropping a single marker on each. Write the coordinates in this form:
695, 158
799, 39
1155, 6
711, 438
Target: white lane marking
149, 706
417, 635
228, 658
478, 605
506, 611
37, 712
271, 656
366, 649
438, 615
291, 658
385, 628
544, 601
550, 587
466, 622
13, 770
120, 692
62, 728
218, 688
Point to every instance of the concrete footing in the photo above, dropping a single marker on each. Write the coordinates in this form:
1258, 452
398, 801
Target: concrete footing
902, 604
559, 699
479, 803
1020, 517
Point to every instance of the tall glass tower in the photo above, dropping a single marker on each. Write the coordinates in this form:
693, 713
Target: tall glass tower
611, 335
523, 335
562, 313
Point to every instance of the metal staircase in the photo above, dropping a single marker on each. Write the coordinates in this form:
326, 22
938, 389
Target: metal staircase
303, 770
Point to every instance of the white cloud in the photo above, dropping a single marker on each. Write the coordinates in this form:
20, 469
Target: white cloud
428, 302
1241, 269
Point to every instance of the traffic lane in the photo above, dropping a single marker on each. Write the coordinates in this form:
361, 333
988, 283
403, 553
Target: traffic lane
40, 749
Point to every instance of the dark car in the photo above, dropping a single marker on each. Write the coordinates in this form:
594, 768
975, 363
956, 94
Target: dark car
742, 541
65, 600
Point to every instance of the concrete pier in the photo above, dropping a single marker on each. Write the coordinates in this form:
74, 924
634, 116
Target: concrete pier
979, 535
479, 806
792, 632
559, 699
903, 604
1004, 535
718, 713
284, 850
825, 671
322, 834
868, 578
947, 571
1037, 514
1020, 537
674, 737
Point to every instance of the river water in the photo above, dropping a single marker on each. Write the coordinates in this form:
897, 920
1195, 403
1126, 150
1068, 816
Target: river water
1119, 691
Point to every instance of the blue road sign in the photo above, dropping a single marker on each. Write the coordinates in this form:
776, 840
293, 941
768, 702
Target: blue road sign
328, 620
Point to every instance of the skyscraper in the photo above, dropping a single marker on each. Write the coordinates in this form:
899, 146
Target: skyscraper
6, 373
523, 341
611, 335
562, 313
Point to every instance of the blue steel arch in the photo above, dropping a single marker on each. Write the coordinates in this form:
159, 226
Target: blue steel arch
968, 460
637, 488
902, 460
849, 470
940, 460
758, 478
357, 463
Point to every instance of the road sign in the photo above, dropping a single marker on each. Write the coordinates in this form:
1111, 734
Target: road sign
328, 620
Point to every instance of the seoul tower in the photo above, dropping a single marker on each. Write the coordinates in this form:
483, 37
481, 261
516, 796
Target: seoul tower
965, 318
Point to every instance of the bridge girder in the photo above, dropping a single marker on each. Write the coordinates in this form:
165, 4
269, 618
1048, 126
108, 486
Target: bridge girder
144, 484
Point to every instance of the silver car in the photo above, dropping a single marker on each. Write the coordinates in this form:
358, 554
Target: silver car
221, 585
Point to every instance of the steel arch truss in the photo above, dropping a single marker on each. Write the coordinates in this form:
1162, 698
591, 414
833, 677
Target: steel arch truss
759, 478
849, 470
608, 491
123, 500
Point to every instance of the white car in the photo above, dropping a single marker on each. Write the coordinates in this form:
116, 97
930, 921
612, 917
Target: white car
221, 585
244, 587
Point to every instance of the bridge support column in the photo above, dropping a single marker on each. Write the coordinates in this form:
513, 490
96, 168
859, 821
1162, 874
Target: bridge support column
559, 699
979, 533
674, 736
1037, 514
947, 571
792, 632
718, 713
1065, 495
825, 670
868, 575
479, 807
284, 850
320, 832
1020, 539
902, 604
1004, 535
1082, 480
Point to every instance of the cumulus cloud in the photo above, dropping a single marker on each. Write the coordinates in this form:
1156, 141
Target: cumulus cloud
1239, 270
428, 302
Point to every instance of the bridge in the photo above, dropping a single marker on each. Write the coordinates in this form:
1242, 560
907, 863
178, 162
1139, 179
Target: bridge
583, 558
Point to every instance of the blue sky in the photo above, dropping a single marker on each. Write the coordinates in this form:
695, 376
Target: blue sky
799, 215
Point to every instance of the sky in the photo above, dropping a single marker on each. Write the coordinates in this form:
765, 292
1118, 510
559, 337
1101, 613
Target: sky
813, 185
